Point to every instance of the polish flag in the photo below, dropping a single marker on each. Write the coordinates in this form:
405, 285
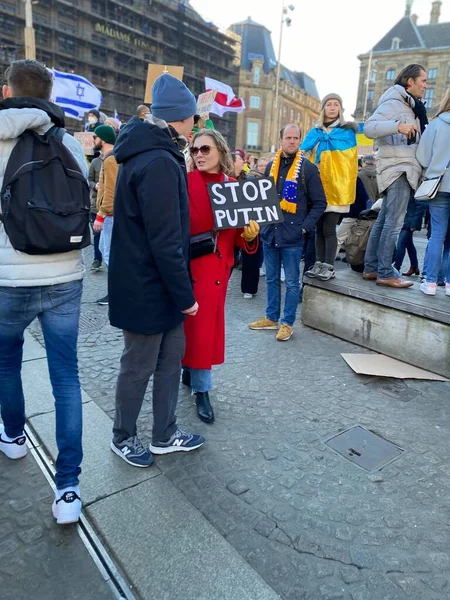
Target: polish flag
225, 100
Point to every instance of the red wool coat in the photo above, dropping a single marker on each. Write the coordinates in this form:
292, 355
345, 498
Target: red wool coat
205, 333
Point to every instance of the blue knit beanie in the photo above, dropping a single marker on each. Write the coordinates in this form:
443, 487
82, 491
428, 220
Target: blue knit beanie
172, 100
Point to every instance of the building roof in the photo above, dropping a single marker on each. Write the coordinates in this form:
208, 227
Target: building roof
435, 36
413, 36
257, 44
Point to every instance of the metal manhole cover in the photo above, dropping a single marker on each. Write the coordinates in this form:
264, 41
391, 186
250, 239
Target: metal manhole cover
364, 448
91, 322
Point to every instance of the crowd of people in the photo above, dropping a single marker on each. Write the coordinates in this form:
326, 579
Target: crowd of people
169, 267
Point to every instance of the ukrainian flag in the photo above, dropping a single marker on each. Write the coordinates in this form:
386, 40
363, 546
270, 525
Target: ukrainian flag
336, 155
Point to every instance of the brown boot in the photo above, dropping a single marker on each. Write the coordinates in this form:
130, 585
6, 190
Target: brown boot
369, 276
395, 282
410, 272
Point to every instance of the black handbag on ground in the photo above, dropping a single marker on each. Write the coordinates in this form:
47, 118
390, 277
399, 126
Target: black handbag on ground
203, 244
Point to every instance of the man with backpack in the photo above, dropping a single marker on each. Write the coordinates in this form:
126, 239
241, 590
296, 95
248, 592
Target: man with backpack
303, 202
44, 223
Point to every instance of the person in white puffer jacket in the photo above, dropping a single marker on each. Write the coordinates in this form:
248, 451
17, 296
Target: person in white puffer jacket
45, 287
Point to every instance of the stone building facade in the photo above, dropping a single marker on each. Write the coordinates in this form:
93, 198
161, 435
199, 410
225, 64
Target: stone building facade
406, 43
257, 126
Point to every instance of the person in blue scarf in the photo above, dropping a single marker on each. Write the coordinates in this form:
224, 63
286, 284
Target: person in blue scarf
332, 146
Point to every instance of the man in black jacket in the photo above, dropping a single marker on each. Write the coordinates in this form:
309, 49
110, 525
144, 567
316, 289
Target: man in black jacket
150, 291
303, 201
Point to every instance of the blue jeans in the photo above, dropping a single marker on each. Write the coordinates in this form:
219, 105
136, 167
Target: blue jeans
290, 257
96, 236
58, 310
383, 237
105, 238
406, 243
201, 379
440, 216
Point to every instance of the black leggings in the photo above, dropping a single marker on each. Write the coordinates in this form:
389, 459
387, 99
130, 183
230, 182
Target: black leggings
326, 239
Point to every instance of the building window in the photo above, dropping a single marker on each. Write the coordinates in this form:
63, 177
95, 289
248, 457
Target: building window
432, 73
448, 74
373, 76
255, 102
395, 43
292, 115
299, 117
256, 75
252, 133
390, 74
370, 95
429, 97
284, 111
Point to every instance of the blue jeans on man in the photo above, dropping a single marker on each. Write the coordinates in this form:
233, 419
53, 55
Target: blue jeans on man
383, 237
58, 309
96, 236
105, 238
290, 257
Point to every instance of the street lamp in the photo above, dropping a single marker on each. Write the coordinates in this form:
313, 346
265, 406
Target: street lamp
285, 20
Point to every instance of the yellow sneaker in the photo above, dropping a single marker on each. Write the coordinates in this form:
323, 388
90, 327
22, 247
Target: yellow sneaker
285, 333
264, 323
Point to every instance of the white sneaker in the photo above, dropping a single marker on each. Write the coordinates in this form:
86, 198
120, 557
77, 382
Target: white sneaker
247, 296
447, 289
283, 275
67, 506
13, 448
428, 288
262, 272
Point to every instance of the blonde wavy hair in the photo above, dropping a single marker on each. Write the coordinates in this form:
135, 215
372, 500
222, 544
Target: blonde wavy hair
225, 161
444, 106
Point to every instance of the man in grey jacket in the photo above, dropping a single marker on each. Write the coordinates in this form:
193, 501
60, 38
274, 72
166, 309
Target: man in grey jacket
47, 287
396, 125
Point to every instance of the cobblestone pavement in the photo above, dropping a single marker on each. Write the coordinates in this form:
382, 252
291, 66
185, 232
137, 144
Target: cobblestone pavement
315, 526
39, 559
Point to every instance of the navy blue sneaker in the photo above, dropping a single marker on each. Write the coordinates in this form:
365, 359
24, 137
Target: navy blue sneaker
133, 452
179, 442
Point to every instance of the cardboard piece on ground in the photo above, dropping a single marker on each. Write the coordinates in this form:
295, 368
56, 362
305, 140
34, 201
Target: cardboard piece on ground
205, 102
379, 365
86, 139
154, 71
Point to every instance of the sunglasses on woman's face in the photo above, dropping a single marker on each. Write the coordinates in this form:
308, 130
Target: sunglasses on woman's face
205, 150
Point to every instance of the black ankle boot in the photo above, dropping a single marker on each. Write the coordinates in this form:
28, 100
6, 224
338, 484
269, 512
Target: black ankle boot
204, 409
186, 378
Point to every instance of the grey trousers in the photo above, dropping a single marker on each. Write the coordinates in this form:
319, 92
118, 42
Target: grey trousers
143, 356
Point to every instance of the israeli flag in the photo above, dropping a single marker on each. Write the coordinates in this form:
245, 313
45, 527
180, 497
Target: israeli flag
74, 94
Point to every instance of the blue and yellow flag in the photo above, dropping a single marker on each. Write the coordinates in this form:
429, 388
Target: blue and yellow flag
336, 155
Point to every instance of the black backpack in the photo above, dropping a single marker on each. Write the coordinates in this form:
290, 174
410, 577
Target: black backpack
45, 198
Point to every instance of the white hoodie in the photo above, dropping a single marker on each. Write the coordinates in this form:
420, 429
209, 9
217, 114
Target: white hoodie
18, 269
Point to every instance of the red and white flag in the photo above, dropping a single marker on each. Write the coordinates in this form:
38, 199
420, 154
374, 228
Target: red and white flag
225, 100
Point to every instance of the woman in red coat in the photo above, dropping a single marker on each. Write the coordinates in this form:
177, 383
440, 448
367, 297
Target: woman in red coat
205, 333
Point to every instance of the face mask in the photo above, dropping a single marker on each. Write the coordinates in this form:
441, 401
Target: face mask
92, 120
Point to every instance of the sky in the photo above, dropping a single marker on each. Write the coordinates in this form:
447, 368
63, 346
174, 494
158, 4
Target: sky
325, 37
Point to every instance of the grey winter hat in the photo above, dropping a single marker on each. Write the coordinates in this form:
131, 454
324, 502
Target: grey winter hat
331, 97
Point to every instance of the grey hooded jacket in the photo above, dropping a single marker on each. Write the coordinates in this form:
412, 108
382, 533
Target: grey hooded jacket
434, 150
394, 156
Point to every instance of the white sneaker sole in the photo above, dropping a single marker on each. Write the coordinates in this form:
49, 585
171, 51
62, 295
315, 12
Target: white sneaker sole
270, 328
67, 517
284, 339
171, 449
123, 457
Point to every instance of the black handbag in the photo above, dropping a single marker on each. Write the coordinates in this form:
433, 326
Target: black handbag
203, 244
